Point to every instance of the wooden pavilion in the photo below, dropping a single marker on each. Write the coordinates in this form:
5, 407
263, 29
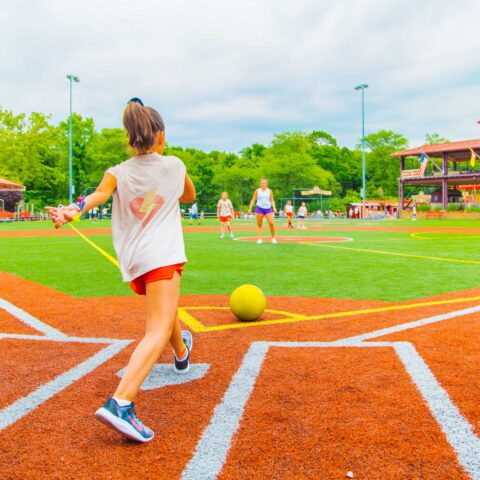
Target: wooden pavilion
450, 165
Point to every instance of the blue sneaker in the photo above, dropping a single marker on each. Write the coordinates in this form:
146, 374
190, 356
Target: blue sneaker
124, 420
183, 366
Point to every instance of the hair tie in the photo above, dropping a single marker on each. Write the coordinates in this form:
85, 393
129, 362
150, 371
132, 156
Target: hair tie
136, 100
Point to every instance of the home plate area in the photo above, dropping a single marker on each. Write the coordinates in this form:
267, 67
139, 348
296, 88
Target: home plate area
292, 401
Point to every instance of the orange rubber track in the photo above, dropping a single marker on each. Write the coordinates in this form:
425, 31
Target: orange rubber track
246, 228
298, 239
312, 414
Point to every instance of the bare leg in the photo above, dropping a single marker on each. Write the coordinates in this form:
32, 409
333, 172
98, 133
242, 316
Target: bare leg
259, 225
222, 229
271, 225
162, 306
229, 227
176, 340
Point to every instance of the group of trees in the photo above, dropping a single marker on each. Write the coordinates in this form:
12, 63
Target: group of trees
34, 152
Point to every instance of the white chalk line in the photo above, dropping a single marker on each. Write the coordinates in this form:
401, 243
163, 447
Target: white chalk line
21, 407
212, 449
30, 320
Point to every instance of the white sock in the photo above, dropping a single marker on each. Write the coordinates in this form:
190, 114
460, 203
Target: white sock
122, 403
184, 357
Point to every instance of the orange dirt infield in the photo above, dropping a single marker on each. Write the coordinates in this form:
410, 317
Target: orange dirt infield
299, 239
370, 393
65, 232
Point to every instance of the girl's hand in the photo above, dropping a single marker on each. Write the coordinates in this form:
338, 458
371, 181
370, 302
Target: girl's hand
61, 216
250, 212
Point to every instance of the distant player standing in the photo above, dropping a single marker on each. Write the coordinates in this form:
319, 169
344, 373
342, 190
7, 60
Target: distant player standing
194, 213
289, 213
225, 213
302, 213
265, 207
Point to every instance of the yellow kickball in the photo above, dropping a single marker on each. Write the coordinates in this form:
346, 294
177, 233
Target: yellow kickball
247, 303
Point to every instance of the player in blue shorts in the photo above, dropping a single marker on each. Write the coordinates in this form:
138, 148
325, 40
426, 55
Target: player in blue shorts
193, 214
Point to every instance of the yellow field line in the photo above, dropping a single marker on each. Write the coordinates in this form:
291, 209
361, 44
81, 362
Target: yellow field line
349, 313
197, 326
417, 235
436, 235
95, 246
398, 254
277, 312
190, 320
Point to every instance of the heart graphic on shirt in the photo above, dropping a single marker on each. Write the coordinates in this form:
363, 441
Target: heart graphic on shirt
145, 208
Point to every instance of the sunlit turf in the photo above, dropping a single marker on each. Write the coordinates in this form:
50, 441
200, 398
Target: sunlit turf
70, 265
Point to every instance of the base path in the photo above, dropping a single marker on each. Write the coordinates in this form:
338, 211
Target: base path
249, 228
297, 239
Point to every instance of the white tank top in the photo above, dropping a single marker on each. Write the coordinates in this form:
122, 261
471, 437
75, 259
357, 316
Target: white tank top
263, 198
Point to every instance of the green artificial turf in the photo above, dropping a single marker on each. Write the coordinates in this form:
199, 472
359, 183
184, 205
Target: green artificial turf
70, 265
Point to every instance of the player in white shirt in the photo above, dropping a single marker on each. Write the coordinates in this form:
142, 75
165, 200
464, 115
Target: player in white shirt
302, 213
289, 213
148, 239
265, 207
225, 213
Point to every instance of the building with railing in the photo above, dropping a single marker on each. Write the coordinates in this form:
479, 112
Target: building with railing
441, 168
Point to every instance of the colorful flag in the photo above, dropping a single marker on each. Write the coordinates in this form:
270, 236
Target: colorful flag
473, 158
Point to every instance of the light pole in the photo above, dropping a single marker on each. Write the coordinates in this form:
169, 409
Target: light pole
72, 78
362, 87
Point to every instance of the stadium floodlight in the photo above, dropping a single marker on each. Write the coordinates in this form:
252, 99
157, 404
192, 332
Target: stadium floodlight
362, 87
71, 78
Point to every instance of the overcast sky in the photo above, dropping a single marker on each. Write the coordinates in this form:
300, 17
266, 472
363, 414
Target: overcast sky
225, 73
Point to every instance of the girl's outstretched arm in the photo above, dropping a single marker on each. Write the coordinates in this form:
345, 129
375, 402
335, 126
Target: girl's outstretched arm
63, 215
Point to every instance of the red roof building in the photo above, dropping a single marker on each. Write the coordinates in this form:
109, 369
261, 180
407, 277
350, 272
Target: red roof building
453, 170
7, 184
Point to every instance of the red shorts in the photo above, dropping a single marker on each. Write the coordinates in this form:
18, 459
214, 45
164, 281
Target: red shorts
289, 215
225, 219
139, 284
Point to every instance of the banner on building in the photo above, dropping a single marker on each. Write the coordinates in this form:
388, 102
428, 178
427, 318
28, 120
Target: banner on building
317, 191
417, 172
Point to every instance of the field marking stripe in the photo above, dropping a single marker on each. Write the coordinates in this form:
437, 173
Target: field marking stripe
348, 313
41, 338
25, 405
398, 254
407, 326
212, 448
190, 320
30, 320
95, 246
268, 310
457, 429
440, 235
418, 235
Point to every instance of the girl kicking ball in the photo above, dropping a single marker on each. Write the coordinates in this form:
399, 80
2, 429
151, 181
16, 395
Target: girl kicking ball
148, 239
265, 207
302, 213
289, 213
225, 213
